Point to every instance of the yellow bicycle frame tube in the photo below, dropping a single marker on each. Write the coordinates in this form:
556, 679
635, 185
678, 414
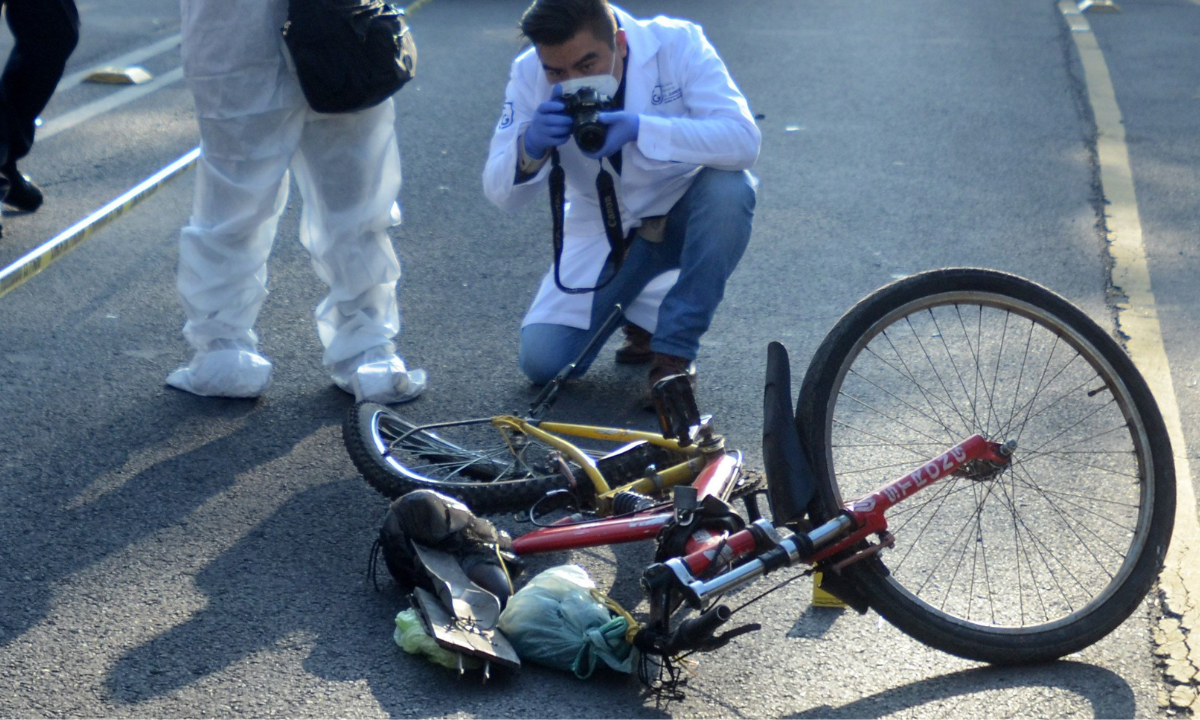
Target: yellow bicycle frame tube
544, 432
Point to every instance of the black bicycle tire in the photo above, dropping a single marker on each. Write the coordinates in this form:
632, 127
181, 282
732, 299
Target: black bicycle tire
1001, 646
365, 449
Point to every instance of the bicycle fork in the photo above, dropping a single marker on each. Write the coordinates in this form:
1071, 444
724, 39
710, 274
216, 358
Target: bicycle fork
769, 547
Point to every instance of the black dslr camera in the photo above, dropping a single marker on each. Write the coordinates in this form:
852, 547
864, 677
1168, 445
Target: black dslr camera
585, 107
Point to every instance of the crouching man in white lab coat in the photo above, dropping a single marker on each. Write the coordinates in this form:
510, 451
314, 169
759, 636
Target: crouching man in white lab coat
254, 125
678, 145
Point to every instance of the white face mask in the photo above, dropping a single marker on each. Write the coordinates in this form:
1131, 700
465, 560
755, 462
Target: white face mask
606, 84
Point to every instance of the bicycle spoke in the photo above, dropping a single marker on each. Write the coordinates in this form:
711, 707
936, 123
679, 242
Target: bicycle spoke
882, 414
927, 394
884, 442
1056, 506
933, 367
961, 383
1026, 457
976, 353
905, 403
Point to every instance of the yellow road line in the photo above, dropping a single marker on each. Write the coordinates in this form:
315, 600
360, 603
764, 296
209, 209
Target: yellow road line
1138, 319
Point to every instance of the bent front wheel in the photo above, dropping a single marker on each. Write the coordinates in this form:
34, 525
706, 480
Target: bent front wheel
489, 469
1027, 564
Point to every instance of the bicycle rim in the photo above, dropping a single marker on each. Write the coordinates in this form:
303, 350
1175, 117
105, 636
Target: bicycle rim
490, 469
1051, 553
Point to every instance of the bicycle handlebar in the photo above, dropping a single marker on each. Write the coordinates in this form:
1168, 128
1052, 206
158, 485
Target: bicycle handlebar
696, 633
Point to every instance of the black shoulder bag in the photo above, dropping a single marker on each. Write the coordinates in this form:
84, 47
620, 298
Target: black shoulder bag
349, 54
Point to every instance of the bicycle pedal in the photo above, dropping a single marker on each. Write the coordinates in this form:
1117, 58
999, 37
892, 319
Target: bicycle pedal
676, 406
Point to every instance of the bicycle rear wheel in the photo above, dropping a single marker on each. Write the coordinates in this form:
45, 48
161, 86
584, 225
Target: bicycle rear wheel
490, 470
1049, 555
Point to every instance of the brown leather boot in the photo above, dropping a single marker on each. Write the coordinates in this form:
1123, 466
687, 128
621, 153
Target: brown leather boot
665, 366
636, 348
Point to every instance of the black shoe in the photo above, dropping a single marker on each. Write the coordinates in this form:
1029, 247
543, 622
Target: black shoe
22, 194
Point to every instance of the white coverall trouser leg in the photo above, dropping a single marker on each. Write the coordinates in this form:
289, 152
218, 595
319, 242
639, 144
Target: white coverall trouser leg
347, 167
348, 171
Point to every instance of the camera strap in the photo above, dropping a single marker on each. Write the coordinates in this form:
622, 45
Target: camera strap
610, 211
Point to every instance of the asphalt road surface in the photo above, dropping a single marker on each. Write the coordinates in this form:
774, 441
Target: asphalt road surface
166, 555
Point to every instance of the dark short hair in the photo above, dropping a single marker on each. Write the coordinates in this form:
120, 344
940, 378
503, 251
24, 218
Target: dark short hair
553, 22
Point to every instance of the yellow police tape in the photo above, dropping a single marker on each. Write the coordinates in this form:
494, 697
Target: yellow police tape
45, 254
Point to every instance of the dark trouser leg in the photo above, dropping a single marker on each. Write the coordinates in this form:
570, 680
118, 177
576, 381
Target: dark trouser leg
45, 34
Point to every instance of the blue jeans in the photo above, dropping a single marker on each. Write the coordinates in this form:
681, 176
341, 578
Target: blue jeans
706, 233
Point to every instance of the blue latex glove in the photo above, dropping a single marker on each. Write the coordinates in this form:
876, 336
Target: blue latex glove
622, 128
550, 128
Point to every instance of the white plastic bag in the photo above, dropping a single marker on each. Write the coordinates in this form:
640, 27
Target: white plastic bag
559, 620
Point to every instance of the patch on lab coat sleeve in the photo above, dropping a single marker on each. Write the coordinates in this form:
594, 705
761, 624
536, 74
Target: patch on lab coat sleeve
506, 116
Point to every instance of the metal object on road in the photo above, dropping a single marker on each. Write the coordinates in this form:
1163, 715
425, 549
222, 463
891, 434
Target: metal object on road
132, 75
823, 598
1100, 6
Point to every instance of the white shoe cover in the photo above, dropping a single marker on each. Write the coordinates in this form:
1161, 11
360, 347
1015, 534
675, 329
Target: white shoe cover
227, 372
385, 381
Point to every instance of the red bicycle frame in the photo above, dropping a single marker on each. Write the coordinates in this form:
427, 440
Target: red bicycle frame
861, 517
707, 553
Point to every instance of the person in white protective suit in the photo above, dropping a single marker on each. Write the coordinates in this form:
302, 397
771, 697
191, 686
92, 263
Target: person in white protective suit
254, 125
678, 143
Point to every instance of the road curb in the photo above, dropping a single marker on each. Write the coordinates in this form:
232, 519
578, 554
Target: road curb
1176, 639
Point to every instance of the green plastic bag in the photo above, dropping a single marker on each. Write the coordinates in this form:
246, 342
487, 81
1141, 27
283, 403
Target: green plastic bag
560, 621
410, 634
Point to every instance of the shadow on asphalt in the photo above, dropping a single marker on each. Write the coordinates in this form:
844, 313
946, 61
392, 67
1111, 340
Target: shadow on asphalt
1108, 693
297, 582
60, 536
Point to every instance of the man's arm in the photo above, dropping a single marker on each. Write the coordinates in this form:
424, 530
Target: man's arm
719, 131
503, 183
527, 167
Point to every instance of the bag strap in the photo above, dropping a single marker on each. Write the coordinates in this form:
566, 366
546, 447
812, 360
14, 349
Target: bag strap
610, 211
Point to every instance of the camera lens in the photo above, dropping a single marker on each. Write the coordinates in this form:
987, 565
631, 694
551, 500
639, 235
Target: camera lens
590, 136
584, 108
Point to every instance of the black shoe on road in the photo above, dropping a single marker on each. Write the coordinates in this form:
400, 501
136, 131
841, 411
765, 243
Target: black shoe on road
22, 194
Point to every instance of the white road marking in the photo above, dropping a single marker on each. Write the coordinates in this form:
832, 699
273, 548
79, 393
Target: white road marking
1138, 319
127, 95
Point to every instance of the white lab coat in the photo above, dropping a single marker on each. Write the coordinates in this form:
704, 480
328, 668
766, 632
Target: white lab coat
254, 125
692, 115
